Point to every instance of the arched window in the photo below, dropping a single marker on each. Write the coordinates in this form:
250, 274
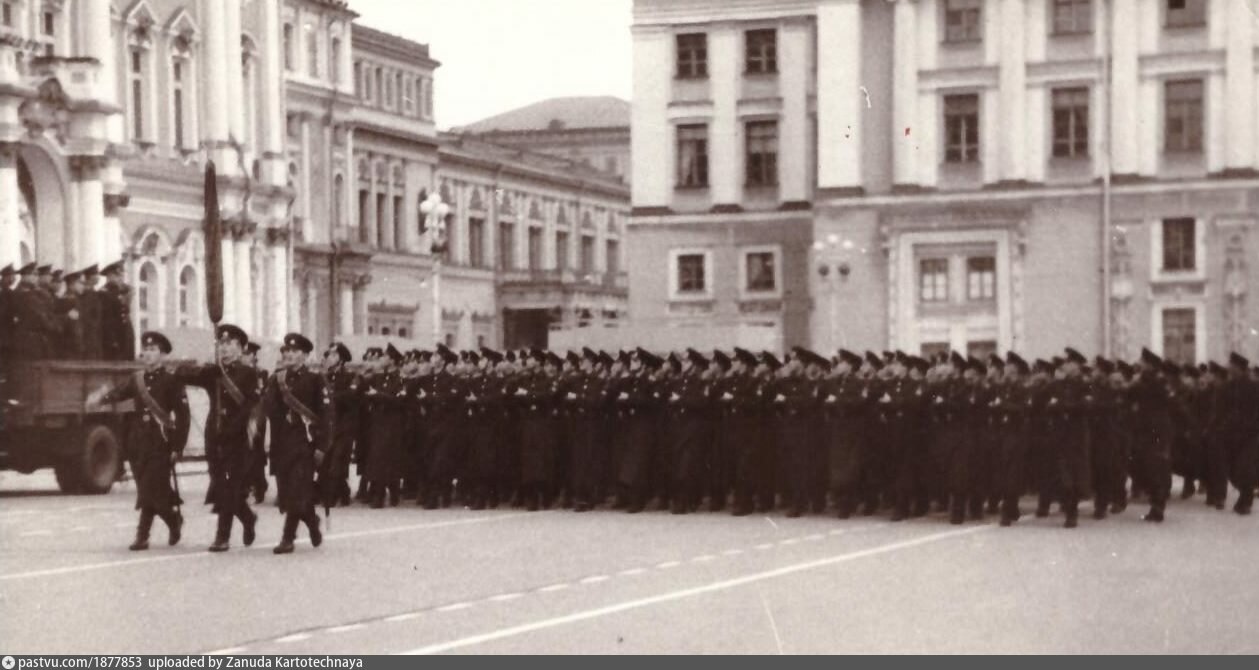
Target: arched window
146, 297
248, 69
288, 47
312, 51
138, 89
338, 203
334, 62
188, 294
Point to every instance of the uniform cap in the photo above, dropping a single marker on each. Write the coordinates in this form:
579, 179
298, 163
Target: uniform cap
393, 354
1150, 358
372, 353
27, 269
343, 352
153, 338
252, 348
770, 360
112, 268
721, 359
43, 270
1075, 356
874, 360
850, 358
297, 342
7, 271
493, 356
228, 331
1238, 361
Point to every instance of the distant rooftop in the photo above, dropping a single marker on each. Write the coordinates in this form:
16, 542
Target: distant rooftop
403, 47
570, 113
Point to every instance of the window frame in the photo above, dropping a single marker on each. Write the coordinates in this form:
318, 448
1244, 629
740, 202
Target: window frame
764, 60
970, 152
987, 292
972, 33
1158, 273
765, 169
690, 60
676, 294
1077, 115
1072, 9
920, 284
1185, 18
701, 165
748, 292
1158, 313
1184, 108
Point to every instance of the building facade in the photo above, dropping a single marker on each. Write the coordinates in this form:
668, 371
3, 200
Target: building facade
593, 130
983, 174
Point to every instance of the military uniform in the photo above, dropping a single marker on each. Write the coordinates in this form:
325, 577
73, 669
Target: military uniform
117, 333
156, 431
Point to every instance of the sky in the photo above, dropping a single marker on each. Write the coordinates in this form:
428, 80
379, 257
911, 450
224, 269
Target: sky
498, 55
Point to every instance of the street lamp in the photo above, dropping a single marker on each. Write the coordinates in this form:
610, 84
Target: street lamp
833, 267
435, 212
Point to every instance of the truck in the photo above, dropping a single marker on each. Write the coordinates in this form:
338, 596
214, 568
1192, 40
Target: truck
44, 422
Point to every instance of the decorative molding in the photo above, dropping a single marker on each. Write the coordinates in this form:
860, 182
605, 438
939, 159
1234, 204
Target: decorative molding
1121, 291
1235, 282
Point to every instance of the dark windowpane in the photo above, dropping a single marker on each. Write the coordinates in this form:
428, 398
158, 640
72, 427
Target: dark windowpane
476, 242
762, 153
961, 128
1186, 12
933, 280
1180, 336
1070, 122
981, 278
762, 51
962, 20
692, 54
1183, 125
1179, 245
760, 271
561, 251
691, 273
1073, 16
692, 169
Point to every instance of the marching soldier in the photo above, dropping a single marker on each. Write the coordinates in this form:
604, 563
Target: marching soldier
293, 406
1010, 406
445, 429
157, 430
1235, 424
233, 390
387, 402
1153, 432
341, 409
258, 462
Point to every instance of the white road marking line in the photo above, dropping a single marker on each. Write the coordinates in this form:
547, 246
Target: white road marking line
763, 547
595, 579
295, 637
336, 630
225, 652
504, 597
670, 596
632, 571
703, 559
790, 540
33, 533
771, 522
815, 537
838, 531
773, 625
669, 564
402, 617
554, 587
454, 607
732, 552
202, 554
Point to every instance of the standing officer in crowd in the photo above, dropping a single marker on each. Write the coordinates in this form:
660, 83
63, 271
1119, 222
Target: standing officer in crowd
34, 328
157, 430
293, 405
116, 330
1235, 424
233, 390
1153, 433
341, 409
258, 447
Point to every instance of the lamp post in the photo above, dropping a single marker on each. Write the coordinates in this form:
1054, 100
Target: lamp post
831, 256
435, 212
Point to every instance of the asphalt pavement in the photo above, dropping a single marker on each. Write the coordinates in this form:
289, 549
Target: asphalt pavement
406, 580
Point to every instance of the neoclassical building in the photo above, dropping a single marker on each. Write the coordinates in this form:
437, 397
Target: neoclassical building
975, 175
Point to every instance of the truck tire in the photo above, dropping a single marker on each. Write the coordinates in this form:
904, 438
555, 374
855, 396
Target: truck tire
99, 460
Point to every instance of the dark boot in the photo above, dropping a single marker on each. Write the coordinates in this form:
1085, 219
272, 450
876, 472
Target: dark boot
1189, 490
290, 533
222, 534
1155, 514
312, 527
362, 494
142, 531
957, 511
249, 524
174, 526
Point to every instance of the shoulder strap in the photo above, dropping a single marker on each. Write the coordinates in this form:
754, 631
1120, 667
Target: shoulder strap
231, 387
291, 400
150, 403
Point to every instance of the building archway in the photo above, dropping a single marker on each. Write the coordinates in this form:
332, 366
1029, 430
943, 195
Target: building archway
45, 222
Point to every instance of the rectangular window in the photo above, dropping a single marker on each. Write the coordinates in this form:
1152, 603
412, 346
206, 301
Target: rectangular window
6, 14
981, 278
363, 223
535, 248
476, 242
380, 220
691, 273
507, 246
1073, 17
1180, 245
288, 47
1183, 102
1181, 13
961, 128
428, 98
399, 228
1071, 122
561, 251
693, 156
933, 280
762, 153
49, 21
692, 56
962, 20
613, 254
1180, 336
761, 56
312, 52
760, 272
178, 101
137, 94
334, 62
587, 254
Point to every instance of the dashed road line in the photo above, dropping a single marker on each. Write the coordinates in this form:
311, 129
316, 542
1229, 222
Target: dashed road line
402, 617
763, 547
295, 637
33, 533
669, 564
732, 552
337, 630
815, 537
631, 572
595, 579
703, 559
789, 541
454, 607
552, 588
226, 652
504, 597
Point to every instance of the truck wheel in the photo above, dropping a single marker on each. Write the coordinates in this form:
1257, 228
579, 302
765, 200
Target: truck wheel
67, 476
99, 461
